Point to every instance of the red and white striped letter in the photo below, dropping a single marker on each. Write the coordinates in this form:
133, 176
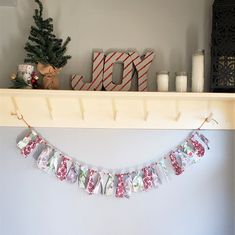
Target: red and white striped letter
110, 61
78, 83
142, 66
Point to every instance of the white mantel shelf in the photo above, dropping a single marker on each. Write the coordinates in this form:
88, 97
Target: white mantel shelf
129, 110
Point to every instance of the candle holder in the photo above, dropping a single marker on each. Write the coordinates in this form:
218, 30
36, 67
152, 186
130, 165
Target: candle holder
198, 73
163, 81
181, 81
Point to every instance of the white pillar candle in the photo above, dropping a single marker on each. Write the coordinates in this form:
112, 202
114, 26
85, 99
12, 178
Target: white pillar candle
198, 73
181, 81
163, 81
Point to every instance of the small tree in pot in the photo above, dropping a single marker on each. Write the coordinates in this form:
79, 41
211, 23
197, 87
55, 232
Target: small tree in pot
45, 50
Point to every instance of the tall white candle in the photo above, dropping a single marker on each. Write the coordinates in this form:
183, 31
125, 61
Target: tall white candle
181, 80
198, 73
163, 81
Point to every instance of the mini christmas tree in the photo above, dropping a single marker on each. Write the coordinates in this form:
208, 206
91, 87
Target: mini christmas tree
43, 47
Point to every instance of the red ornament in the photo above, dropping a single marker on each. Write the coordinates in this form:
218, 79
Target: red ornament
34, 74
34, 80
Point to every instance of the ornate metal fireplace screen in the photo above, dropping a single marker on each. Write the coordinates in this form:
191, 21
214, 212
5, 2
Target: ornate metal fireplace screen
223, 46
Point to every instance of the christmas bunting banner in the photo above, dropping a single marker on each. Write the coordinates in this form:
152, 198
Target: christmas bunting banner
118, 183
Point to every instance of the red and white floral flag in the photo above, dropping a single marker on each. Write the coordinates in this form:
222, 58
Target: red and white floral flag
91, 181
120, 190
64, 167
147, 178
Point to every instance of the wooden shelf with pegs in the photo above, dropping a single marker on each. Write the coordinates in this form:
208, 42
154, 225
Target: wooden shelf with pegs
129, 110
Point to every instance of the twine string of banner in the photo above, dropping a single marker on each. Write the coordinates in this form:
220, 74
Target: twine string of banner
21, 118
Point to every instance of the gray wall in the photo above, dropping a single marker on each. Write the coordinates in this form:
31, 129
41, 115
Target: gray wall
173, 28
199, 202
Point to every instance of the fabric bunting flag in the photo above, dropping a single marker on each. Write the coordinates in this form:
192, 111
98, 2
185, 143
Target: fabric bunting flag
72, 175
109, 187
128, 186
29, 143
120, 190
82, 179
102, 178
91, 181
42, 161
138, 183
156, 179
53, 162
147, 178
64, 168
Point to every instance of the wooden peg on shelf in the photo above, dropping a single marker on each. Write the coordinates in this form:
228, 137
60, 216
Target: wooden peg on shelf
146, 112
81, 109
208, 111
49, 107
15, 105
114, 108
177, 111
210, 117
178, 116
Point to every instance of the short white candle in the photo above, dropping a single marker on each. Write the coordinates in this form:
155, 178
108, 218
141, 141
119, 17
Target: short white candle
181, 81
198, 73
163, 81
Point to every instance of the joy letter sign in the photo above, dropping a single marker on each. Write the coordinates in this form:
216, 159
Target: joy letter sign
103, 67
